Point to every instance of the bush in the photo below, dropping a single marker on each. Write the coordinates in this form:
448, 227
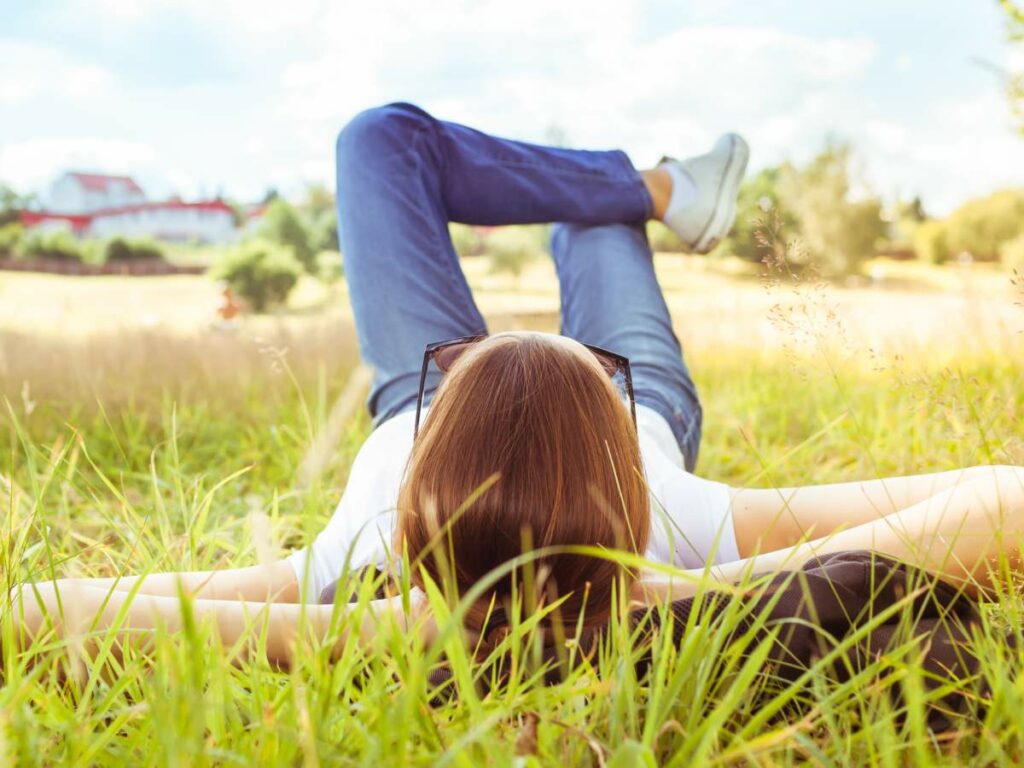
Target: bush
10, 237
123, 249
1012, 253
466, 239
981, 227
663, 239
836, 232
510, 249
762, 224
329, 267
281, 224
52, 244
259, 271
324, 232
931, 243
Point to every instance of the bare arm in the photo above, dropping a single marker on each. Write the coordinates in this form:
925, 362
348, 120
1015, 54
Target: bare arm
78, 609
273, 582
961, 533
768, 519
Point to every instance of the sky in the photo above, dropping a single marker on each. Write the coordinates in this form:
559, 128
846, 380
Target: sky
233, 97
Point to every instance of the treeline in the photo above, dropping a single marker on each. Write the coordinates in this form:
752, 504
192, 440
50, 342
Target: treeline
285, 242
815, 216
812, 217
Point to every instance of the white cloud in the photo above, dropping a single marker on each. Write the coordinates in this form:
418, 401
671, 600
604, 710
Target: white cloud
519, 69
32, 71
235, 17
956, 150
606, 73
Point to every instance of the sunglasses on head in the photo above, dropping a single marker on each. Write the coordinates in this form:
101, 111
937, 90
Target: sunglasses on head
444, 354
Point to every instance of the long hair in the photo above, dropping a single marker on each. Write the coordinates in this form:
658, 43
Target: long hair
526, 445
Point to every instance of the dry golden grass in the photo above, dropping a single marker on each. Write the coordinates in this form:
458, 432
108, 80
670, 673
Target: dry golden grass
121, 339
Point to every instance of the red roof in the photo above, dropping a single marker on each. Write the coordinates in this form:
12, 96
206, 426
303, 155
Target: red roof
77, 222
99, 182
81, 221
204, 205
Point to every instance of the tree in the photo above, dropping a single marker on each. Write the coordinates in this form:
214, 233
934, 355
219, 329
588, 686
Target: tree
903, 219
12, 204
837, 232
1012, 252
510, 249
759, 208
981, 227
931, 243
282, 224
1015, 80
319, 211
319, 201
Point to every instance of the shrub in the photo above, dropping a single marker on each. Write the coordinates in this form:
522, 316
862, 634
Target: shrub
1012, 252
324, 232
52, 244
123, 249
466, 239
329, 267
981, 227
931, 243
836, 232
763, 224
261, 272
663, 239
281, 224
510, 249
10, 236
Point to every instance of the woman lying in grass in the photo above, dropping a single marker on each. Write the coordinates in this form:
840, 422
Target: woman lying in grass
486, 445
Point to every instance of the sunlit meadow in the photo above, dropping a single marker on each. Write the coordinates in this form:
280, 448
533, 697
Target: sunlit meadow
131, 445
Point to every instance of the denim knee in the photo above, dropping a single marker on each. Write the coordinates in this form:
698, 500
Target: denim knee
378, 132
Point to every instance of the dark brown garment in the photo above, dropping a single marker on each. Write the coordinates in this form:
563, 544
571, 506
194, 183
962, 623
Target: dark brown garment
810, 610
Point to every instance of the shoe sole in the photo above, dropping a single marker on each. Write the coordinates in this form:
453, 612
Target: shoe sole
724, 212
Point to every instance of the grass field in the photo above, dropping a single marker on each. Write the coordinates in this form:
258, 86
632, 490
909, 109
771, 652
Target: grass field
137, 438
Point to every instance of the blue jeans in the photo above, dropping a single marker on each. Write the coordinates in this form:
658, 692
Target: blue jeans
403, 175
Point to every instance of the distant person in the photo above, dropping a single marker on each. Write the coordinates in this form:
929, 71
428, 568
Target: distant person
228, 310
584, 438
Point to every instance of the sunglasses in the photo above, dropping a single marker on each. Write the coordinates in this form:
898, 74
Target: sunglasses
444, 354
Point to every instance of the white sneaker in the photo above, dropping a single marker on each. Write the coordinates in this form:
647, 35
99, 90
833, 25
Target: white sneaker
717, 176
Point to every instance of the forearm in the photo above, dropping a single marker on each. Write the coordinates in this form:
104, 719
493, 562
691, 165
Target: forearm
767, 519
960, 534
274, 582
88, 612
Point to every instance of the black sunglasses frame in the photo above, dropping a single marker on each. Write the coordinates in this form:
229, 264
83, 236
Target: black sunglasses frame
620, 362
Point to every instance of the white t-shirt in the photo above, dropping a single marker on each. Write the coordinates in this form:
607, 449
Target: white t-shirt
690, 516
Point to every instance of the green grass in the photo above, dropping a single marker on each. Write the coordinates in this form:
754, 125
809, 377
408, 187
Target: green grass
164, 485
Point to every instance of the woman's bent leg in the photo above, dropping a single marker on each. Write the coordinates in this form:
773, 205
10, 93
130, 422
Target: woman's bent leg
405, 283
402, 176
611, 298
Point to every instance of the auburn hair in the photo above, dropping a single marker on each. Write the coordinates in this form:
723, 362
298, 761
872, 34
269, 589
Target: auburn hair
526, 445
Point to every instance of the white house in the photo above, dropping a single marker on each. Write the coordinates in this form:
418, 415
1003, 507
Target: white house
210, 221
97, 205
76, 192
